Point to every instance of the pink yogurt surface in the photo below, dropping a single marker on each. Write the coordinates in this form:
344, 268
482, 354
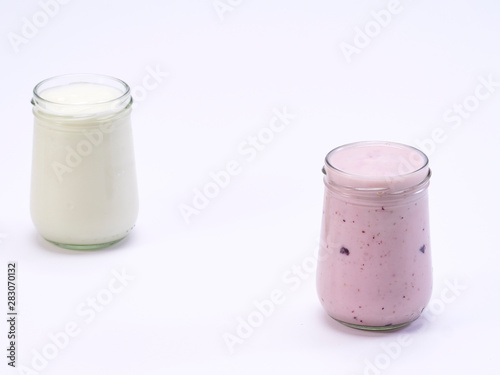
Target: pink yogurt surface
375, 263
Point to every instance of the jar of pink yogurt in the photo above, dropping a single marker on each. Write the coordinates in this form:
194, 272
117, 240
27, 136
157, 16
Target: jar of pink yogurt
374, 266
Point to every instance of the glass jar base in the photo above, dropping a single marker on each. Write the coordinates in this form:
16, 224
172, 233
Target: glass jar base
390, 327
85, 247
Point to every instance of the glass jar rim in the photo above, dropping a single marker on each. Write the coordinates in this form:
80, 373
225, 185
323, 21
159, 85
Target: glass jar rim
73, 78
43, 106
397, 182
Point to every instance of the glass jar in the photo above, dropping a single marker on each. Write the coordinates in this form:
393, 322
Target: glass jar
83, 186
374, 267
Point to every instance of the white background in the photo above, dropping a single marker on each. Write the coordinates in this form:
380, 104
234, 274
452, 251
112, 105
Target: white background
226, 75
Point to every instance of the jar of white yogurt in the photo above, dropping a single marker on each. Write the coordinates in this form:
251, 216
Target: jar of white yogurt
83, 187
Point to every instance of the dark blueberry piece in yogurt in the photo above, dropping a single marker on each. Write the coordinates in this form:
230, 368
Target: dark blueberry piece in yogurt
343, 250
422, 249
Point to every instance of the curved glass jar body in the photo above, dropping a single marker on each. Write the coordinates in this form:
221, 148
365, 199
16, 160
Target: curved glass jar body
374, 269
83, 187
